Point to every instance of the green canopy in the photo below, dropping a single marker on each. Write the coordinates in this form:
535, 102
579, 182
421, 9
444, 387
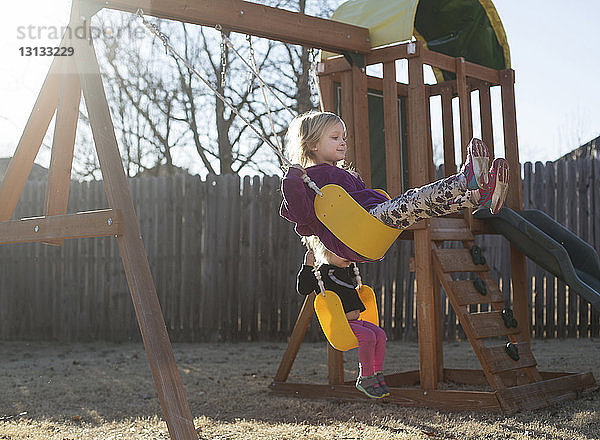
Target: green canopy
458, 28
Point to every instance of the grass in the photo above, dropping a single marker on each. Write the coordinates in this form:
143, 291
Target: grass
105, 391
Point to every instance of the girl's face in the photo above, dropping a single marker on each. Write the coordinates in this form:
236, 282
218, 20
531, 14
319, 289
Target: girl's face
332, 147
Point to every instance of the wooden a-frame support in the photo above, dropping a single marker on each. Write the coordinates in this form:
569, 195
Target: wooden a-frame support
61, 91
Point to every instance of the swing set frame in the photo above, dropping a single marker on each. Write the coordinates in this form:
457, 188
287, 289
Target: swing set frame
70, 77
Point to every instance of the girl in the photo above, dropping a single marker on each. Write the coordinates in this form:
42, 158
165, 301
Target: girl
338, 276
317, 142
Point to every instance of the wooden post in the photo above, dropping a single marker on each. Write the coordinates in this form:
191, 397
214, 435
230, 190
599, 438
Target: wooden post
360, 125
426, 316
448, 129
63, 143
296, 338
326, 93
30, 142
137, 270
335, 363
429, 144
514, 200
464, 98
485, 109
466, 119
348, 115
393, 161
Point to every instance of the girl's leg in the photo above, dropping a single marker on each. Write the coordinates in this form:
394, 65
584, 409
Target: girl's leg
366, 347
380, 340
442, 197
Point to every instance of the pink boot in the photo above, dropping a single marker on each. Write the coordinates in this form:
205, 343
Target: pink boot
475, 168
494, 193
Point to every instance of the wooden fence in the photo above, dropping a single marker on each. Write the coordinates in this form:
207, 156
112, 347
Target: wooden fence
224, 264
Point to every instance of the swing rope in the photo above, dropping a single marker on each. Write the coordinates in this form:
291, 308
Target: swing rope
322, 286
262, 89
285, 161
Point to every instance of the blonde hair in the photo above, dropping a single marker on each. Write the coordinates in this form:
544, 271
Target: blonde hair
322, 254
305, 132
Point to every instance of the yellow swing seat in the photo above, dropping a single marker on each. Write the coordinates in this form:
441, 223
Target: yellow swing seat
352, 224
332, 318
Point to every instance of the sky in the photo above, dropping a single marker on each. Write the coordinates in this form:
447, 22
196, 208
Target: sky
554, 51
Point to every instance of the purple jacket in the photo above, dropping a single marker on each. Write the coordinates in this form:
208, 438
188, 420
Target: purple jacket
298, 203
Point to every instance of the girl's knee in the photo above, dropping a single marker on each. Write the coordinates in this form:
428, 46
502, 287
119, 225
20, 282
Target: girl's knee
366, 337
380, 334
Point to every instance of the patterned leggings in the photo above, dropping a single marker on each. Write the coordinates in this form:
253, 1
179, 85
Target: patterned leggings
444, 196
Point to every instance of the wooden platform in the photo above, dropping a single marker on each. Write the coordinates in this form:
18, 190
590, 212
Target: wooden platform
405, 391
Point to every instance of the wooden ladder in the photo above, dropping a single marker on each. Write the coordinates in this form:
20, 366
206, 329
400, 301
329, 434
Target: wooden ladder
482, 328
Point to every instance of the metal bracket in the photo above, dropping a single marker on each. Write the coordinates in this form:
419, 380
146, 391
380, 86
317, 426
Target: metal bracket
355, 59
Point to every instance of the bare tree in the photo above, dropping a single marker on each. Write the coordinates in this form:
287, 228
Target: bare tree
163, 112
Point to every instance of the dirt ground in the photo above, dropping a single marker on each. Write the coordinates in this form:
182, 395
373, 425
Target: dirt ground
105, 391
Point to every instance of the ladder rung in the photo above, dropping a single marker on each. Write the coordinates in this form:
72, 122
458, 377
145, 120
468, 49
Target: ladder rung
489, 325
458, 260
499, 361
466, 294
449, 229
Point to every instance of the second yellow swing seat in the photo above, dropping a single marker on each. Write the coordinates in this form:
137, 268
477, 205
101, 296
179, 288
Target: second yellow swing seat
352, 224
332, 318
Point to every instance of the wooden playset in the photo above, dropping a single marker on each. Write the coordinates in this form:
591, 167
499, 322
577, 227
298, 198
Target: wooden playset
515, 381
509, 369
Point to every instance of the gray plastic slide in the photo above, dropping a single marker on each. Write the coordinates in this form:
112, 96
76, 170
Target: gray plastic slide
552, 246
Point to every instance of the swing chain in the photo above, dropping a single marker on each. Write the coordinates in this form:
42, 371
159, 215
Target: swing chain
154, 28
250, 73
313, 77
165, 40
223, 55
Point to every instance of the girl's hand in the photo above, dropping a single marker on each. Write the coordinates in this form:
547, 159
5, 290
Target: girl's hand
309, 258
353, 315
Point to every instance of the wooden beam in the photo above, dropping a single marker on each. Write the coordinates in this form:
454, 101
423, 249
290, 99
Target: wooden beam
448, 132
443, 400
348, 115
360, 125
335, 65
20, 165
61, 160
545, 393
514, 198
102, 223
431, 165
388, 54
296, 338
255, 19
376, 83
393, 160
443, 87
326, 91
419, 167
485, 109
417, 134
335, 365
137, 270
448, 63
464, 96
